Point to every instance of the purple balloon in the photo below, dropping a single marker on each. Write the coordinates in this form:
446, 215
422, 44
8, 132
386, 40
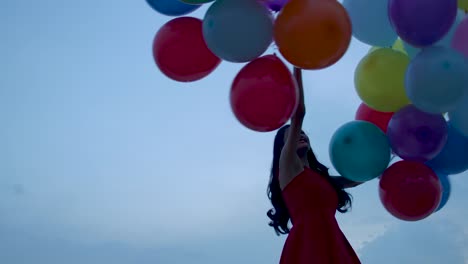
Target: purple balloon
416, 135
275, 5
421, 22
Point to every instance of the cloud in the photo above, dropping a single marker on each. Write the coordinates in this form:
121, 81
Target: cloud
429, 242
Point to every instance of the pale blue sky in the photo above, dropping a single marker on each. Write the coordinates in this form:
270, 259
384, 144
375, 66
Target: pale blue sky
105, 160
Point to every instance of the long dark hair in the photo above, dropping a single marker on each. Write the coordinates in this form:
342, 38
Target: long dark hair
279, 214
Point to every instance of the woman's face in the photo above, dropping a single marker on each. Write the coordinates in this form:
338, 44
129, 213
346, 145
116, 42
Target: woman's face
303, 142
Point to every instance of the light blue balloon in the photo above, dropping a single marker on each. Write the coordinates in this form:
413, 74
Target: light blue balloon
370, 22
238, 30
459, 116
360, 151
172, 7
437, 79
453, 158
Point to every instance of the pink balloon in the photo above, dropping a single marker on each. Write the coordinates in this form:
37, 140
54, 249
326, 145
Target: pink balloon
460, 38
410, 191
264, 94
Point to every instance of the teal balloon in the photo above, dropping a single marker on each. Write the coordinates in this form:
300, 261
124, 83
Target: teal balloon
437, 79
370, 22
360, 151
453, 158
172, 7
238, 30
459, 116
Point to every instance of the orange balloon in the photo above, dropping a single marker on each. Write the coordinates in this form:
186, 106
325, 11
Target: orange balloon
313, 34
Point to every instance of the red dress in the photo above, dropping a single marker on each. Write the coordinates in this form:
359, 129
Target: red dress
315, 237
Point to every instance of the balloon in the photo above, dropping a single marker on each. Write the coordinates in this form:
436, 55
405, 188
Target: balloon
446, 41
460, 37
370, 22
398, 46
416, 135
238, 30
359, 151
312, 34
196, 2
172, 7
446, 190
380, 119
410, 190
373, 49
436, 79
459, 116
275, 5
410, 50
452, 159
463, 5
420, 22
180, 51
379, 80
264, 94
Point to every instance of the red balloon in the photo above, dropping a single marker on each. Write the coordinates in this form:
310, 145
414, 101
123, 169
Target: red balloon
264, 94
410, 190
380, 119
180, 51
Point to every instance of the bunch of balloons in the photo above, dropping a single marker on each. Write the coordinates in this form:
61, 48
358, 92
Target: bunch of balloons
309, 34
413, 84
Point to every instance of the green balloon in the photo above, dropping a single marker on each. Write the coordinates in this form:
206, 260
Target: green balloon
196, 2
360, 151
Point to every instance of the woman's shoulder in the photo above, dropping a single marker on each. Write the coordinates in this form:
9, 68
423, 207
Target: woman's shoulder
297, 179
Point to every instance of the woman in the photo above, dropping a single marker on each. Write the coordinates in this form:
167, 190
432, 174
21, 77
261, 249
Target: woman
300, 188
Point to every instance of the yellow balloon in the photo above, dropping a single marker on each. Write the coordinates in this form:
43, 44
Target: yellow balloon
380, 79
373, 49
398, 45
463, 4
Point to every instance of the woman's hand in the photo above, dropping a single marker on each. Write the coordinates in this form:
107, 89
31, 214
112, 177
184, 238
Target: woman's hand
300, 111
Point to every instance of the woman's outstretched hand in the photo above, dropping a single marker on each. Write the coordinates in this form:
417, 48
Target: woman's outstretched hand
300, 112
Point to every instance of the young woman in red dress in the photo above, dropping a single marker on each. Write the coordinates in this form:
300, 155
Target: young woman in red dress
301, 189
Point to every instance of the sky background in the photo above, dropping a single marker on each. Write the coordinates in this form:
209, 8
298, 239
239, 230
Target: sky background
103, 159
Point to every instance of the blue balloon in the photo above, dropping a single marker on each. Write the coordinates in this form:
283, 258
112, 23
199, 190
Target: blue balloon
453, 158
459, 116
238, 30
360, 151
446, 189
370, 22
172, 7
437, 79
